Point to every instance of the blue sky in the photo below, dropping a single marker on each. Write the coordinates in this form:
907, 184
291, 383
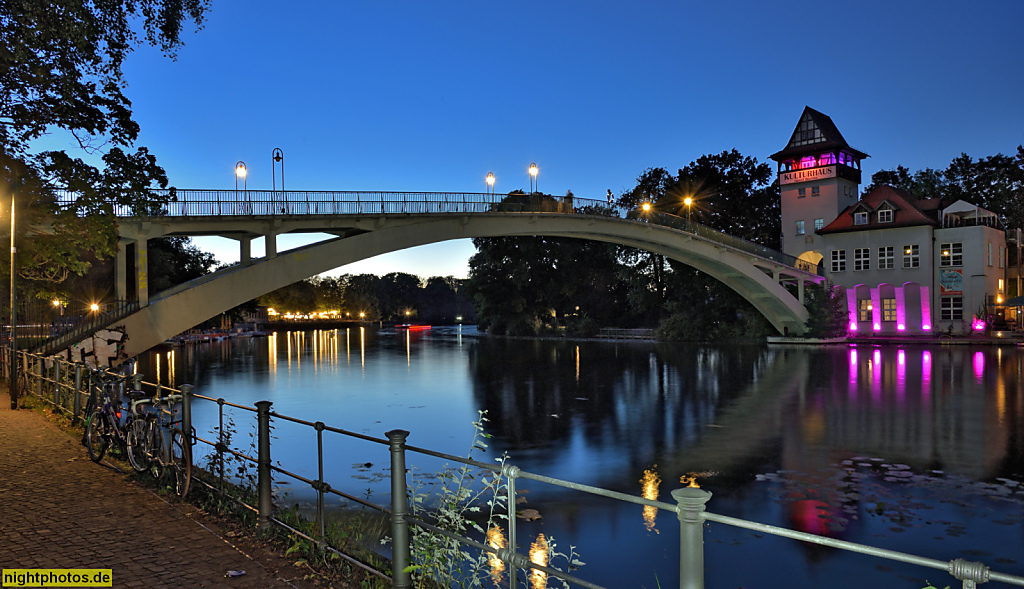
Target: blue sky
431, 96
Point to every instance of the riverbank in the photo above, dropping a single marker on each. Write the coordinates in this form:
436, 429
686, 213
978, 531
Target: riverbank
59, 510
1000, 338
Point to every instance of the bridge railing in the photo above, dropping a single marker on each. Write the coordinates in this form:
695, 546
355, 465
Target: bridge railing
206, 203
669, 220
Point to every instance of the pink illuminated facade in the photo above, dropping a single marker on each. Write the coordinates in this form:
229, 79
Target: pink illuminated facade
908, 266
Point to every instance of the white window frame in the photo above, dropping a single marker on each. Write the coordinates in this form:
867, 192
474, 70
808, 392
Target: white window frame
911, 256
860, 218
800, 227
886, 258
889, 310
864, 310
951, 308
861, 259
818, 224
951, 255
885, 216
839, 260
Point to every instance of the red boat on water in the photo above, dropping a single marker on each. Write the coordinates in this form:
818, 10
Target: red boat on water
412, 327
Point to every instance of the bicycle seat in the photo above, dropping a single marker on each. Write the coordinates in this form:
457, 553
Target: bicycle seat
137, 395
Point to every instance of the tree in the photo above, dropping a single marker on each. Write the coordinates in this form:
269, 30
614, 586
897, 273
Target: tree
61, 69
827, 311
175, 260
730, 192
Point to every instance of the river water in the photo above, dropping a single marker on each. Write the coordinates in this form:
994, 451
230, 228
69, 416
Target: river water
912, 448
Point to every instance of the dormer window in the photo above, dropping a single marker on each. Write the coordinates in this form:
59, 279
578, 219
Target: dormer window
860, 218
885, 216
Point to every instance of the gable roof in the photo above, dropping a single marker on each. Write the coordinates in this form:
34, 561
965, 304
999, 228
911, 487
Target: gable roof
814, 133
905, 213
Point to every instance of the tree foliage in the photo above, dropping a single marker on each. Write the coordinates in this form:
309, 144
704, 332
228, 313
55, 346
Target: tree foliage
61, 71
524, 284
995, 183
827, 311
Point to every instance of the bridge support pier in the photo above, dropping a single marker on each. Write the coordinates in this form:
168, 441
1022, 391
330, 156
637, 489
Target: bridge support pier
245, 251
271, 243
142, 271
800, 291
121, 271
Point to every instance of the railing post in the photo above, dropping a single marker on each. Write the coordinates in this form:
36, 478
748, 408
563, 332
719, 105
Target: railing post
220, 441
56, 384
691, 502
137, 381
263, 464
78, 395
40, 369
186, 413
400, 559
320, 476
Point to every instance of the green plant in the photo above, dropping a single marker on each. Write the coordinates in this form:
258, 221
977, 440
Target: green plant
462, 501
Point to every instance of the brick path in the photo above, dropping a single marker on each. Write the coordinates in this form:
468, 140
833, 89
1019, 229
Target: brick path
58, 509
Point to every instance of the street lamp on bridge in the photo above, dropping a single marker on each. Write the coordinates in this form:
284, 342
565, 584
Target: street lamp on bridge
277, 157
533, 177
689, 203
241, 172
490, 182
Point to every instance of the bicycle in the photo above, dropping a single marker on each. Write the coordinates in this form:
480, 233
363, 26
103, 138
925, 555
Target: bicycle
103, 427
146, 438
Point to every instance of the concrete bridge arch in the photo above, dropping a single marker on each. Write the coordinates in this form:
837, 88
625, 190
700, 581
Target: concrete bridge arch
168, 313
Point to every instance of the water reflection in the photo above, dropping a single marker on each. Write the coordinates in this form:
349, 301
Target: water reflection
496, 540
539, 554
603, 414
649, 484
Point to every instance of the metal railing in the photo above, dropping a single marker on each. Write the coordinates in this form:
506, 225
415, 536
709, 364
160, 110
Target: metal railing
689, 508
67, 386
229, 203
45, 376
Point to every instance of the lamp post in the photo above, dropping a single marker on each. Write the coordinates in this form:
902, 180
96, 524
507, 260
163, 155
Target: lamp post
277, 157
14, 320
241, 172
689, 203
533, 177
490, 182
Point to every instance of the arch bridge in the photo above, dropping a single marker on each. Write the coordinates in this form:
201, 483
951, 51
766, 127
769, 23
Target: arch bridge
366, 224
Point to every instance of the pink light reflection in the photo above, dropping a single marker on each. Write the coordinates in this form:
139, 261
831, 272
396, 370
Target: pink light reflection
876, 375
852, 392
926, 374
979, 365
901, 376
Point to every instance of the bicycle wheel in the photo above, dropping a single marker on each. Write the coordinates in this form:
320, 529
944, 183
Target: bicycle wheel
138, 454
181, 462
97, 435
155, 449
